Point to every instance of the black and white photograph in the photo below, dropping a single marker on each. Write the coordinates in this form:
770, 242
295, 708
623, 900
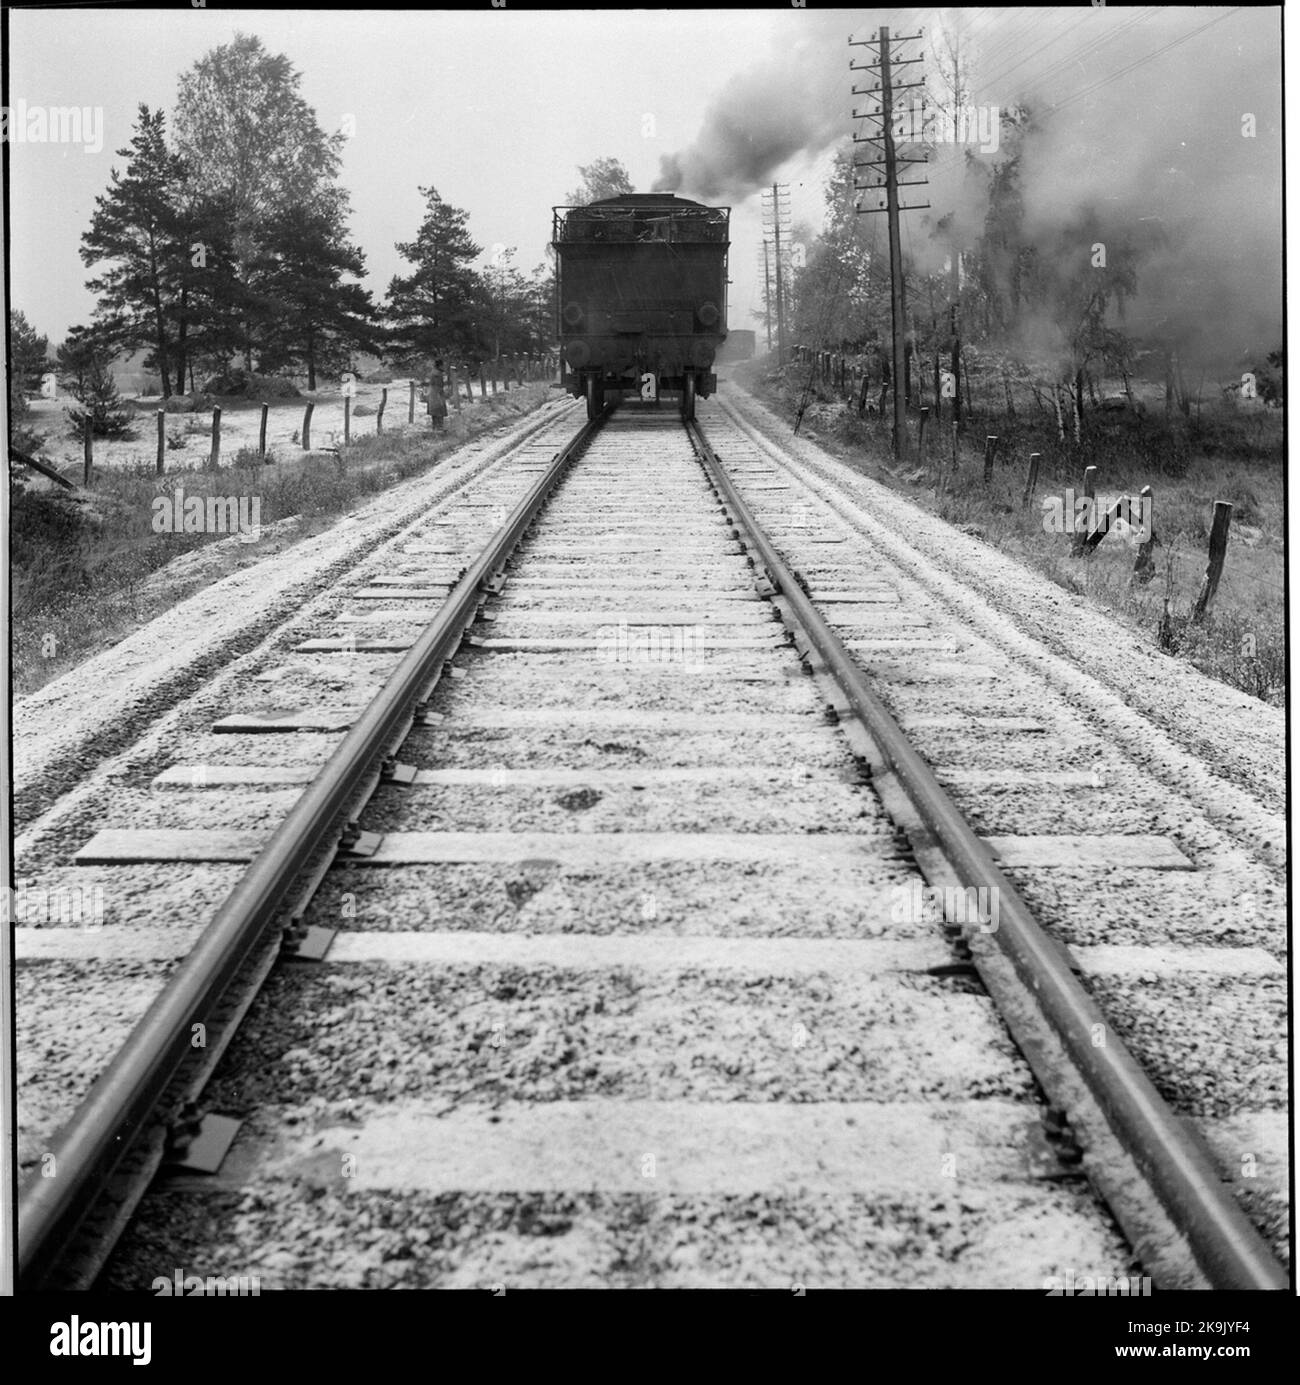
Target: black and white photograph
647, 650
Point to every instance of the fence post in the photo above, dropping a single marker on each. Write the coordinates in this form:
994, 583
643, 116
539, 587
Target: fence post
1089, 491
990, 444
261, 431
162, 439
214, 457
954, 446
1031, 481
410, 406
482, 380
453, 387
379, 416
347, 419
87, 450
920, 435
306, 426
1218, 548
1144, 569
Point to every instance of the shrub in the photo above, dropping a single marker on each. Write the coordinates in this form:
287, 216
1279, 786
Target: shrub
237, 382
104, 409
188, 403
266, 387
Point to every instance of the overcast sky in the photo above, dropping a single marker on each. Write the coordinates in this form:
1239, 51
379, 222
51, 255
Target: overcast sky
497, 108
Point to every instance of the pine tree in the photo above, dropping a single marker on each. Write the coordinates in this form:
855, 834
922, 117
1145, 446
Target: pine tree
28, 362
539, 307
102, 405
137, 235
28, 355
76, 358
436, 309
316, 317
505, 295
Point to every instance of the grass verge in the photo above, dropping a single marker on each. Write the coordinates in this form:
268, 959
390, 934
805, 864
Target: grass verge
1223, 454
87, 568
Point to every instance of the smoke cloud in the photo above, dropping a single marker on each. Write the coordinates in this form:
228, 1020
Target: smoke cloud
1176, 163
791, 103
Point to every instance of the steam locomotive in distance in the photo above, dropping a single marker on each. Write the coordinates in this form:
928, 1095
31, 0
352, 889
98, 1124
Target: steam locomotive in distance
642, 293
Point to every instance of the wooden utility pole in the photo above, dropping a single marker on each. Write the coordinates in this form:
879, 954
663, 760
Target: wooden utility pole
777, 212
954, 283
767, 293
885, 92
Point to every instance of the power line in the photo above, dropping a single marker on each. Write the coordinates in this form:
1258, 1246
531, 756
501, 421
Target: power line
1094, 46
1009, 44
1141, 62
1056, 38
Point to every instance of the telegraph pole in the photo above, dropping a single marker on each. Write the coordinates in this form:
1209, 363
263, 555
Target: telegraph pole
885, 91
954, 291
767, 294
777, 211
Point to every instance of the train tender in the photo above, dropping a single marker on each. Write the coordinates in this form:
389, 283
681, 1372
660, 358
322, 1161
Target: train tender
642, 293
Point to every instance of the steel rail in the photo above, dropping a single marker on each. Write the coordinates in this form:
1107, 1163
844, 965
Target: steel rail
1229, 1250
119, 1107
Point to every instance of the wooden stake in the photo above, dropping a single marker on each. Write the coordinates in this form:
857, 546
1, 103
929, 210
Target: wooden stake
162, 440
379, 417
261, 432
1218, 549
1031, 481
990, 446
214, 457
410, 406
306, 425
1144, 569
1089, 490
482, 381
347, 419
88, 451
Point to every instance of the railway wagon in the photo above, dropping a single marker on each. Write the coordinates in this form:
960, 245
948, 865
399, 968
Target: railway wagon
739, 346
642, 292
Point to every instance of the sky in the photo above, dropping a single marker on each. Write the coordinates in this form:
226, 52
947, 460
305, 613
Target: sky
497, 108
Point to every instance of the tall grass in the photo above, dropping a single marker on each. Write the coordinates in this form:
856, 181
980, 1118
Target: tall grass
81, 563
1220, 452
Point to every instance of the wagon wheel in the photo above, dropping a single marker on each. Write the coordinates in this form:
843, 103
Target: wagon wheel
595, 397
688, 395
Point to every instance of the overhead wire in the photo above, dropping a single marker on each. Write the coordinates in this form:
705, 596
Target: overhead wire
1142, 62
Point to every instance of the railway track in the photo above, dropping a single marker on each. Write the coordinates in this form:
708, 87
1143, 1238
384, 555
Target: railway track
639, 975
